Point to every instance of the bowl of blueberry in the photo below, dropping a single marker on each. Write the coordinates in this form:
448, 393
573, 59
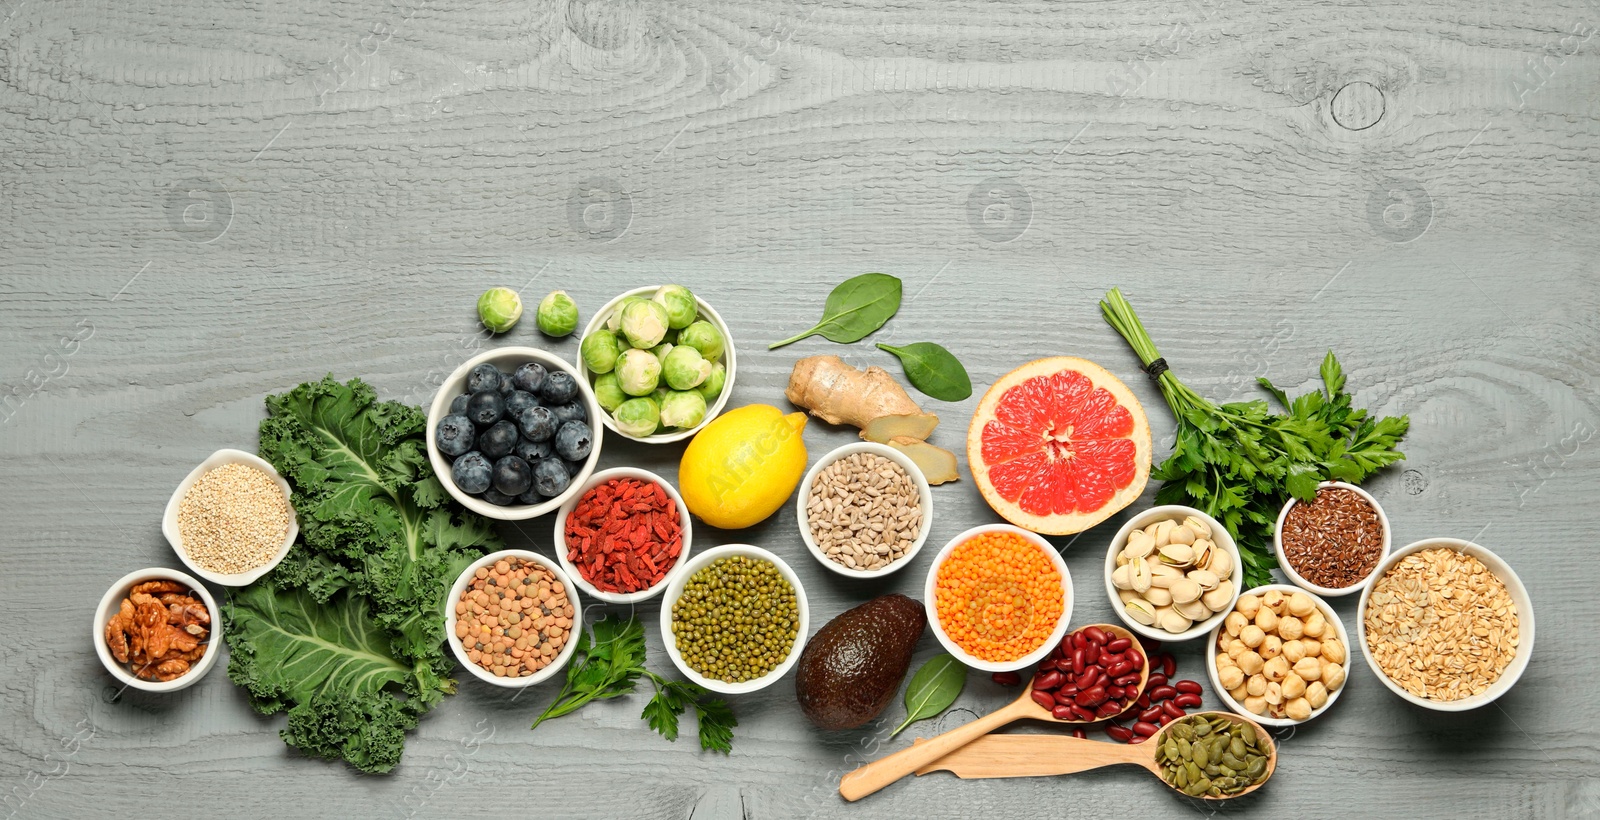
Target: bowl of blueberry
513, 433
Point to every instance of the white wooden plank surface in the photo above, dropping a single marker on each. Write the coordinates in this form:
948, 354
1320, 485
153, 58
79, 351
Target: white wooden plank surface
221, 201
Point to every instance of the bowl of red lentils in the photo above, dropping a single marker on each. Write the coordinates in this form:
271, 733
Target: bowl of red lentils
1333, 544
511, 618
230, 520
999, 597
623, 535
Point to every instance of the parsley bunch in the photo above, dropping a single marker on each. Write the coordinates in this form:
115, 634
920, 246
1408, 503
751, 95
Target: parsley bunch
608, 662
1239, 462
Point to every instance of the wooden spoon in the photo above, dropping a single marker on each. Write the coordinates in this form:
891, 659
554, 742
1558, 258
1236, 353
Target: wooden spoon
874, 776
1045, 755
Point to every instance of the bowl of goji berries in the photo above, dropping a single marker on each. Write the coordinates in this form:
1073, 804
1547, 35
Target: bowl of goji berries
623, 535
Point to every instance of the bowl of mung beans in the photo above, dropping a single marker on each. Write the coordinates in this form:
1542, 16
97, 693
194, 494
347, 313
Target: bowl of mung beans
864, 510
511, 618
230, 520
734, 619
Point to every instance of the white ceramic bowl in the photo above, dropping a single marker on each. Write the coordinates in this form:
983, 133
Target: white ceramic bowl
675, 590
1519, 596
931, 585
169, 520
1295, 577
571, 504
728, 358
1219, 536
508, 359
460, 650
112, 601
1267, 720
924, 499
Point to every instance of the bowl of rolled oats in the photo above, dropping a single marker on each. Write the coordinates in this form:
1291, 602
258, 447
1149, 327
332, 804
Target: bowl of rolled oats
1446, 624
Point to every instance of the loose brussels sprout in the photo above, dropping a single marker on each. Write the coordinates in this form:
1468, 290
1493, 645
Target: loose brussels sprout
558, 314
685, 368
683, 409
638, 372
608, 391
660, 351
711, 388
614, 321
637, 417
600, 351
644, 323
704, 337
499, 309
680, 305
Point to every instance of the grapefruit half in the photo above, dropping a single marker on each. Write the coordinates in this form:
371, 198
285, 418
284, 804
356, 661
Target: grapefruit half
1059, 445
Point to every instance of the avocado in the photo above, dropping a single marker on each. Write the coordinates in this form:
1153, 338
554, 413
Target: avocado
853, 666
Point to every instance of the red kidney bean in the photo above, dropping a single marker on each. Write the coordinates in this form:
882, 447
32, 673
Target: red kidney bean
1162, 693
1063, 697
1135, 658
1187, 687
1145, 728
1187, 700
1108, 659
1110, 708
1044, 699
1130, 679
1048, 680
1164, 719
1143, 701
1078, 641
1172, 709
1149, 644
1080, 713
1091, 697
1095, 633
1090, 677
1169, 665
1119, 645
1009, 678
1151, 714
1137, 739
1119, 732
1156, 679
1119, 670
1115, 692
1061, 713
1091, 653
1079, 661
1080, 734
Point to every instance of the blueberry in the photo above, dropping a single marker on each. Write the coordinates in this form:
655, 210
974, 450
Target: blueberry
532, 451
486, 408
458, 405
573, 467
497, 498
571, 411
471, 473
529, 377
512, 475
454, 435
498, 440
572, 441
538, 423
483, 377
559, 388
505, 385
550, 477
531, 497
518, 401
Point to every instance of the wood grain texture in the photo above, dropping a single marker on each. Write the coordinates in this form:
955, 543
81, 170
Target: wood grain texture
214, 202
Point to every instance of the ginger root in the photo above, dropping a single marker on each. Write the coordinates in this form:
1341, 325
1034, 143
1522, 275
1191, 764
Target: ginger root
883, 429
840, 394
938, 465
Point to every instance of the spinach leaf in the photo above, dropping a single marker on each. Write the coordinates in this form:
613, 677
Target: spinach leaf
933, 688
933, 370
854, 309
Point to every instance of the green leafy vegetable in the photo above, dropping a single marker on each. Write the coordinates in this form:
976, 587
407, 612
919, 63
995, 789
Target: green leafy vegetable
1240, 463
608, 663
932, 689
346, 634
933, 370
854, 309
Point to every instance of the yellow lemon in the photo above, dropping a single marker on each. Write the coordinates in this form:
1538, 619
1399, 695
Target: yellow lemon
742, 466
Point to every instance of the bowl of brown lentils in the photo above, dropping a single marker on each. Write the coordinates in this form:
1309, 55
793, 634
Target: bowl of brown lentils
511, 618
230, 520
864, 510
734, 618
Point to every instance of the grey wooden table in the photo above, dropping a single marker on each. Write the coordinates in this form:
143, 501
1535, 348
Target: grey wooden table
204, 203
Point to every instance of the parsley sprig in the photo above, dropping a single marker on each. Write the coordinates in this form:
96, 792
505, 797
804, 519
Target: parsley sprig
608, 663
1239, 462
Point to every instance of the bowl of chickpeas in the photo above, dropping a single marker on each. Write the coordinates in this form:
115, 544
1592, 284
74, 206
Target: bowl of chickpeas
512, 618
1281, 656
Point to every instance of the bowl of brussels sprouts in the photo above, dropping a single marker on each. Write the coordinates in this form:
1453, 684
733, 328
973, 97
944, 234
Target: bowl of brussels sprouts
660, 363
513, 433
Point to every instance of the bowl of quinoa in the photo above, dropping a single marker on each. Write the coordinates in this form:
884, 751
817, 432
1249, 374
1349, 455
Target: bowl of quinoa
230, 520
